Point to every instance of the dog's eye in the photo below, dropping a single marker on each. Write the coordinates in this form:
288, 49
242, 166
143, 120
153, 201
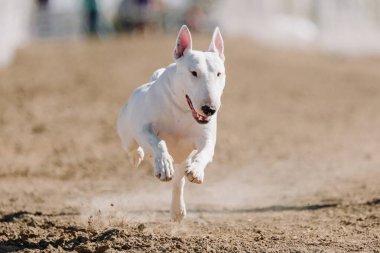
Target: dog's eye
218, 74
194, 73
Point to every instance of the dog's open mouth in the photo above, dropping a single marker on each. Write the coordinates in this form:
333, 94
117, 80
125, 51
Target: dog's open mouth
201, 119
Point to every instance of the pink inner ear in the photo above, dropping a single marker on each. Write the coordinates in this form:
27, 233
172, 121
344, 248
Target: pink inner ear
185, 39
219, 44
182, 44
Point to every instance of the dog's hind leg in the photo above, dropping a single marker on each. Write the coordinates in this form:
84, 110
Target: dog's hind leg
135, 152
136, 156
178, 208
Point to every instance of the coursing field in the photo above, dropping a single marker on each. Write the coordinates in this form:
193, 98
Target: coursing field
296, 166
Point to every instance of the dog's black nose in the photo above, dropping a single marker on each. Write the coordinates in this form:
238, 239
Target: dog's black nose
208, 110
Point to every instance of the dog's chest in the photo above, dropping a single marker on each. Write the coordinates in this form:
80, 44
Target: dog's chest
179, 147
179, 138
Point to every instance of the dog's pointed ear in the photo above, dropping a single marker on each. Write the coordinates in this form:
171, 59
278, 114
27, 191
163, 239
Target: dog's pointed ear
217, 44
183, 43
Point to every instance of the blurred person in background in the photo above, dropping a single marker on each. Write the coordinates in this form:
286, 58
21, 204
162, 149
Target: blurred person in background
144, 14
42, 20
139, 15
125, 19
91, 16
195, 17
42, 4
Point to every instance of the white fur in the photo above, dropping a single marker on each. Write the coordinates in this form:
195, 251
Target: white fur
157, 120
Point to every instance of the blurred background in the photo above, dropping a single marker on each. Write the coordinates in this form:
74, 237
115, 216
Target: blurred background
299, 122
343, 26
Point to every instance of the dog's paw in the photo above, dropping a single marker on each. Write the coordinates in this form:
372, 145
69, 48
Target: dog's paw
195, 173
163, 167
178, 213
136, 157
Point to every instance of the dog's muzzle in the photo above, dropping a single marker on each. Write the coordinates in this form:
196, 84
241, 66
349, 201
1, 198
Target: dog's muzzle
201, 119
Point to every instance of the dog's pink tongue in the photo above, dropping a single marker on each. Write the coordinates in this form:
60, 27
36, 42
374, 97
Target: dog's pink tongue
202, 117
199, 117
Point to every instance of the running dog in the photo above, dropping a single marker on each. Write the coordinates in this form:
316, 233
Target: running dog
172, 119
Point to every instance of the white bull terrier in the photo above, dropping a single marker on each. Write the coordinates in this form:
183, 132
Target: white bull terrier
173, 118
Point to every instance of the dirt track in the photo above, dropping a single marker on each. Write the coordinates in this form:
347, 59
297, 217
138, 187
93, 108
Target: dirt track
297, 167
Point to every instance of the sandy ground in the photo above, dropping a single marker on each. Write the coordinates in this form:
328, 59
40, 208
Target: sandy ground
296, 169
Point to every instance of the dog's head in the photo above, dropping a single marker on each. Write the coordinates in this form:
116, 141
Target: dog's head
202, 74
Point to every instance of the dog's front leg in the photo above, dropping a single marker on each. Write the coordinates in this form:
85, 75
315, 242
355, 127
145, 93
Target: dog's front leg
198, 160
178, 208
163, 162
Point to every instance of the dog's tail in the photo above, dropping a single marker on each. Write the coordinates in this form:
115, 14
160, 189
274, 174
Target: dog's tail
157, 74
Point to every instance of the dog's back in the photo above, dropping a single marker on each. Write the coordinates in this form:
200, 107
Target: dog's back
157, 74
